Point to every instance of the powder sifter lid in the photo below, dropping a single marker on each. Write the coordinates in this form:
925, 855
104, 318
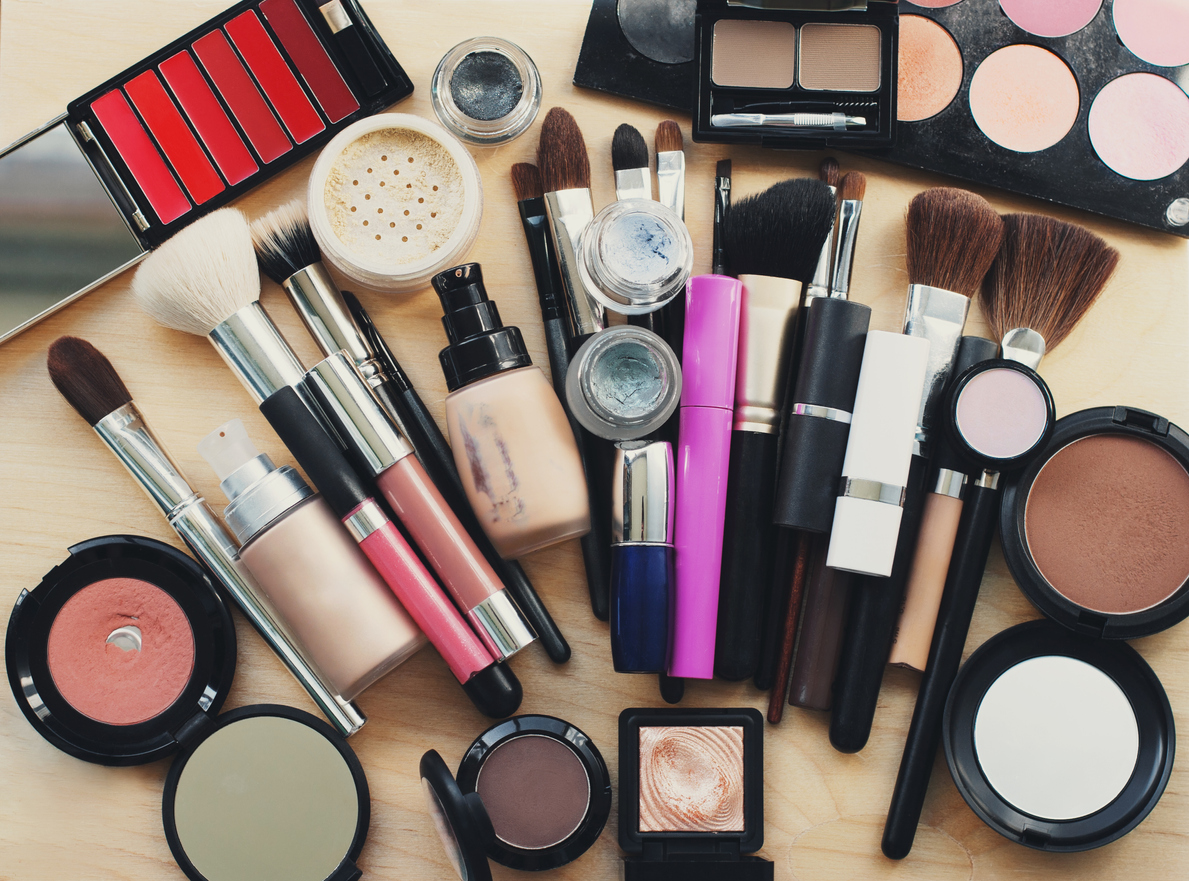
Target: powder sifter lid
480, 345
818, 414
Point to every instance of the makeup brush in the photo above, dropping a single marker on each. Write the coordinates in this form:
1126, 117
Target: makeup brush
953, 236
1046, 277
629, 158
565, 178
851, 190
722, 204
670, 166
819, 285
432, 448
773, 241
91, 385
526, 181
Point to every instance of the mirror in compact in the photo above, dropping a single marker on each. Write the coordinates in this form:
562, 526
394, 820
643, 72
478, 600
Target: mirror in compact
691, 791
532, 793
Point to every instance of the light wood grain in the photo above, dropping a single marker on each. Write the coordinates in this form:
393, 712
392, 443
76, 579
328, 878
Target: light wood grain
65, 819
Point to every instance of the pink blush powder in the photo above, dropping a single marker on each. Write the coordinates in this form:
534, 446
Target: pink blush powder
105, 682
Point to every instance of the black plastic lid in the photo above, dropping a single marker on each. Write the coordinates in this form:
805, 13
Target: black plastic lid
480, 345
813, 446
968, 449
248, 840
121, 556
495, 690
1124, 421
1133, 676
462, 819
971, 350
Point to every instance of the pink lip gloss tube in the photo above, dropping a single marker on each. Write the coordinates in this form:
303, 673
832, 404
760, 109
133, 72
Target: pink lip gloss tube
703, 452
489, 683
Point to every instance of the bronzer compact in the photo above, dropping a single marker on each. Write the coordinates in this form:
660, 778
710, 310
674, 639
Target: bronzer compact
787, 74
1057, 733
531, 793
691, 794
177, 135
123, 655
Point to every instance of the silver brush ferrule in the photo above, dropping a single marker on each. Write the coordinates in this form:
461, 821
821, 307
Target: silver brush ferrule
256, 352
633, 183
670, 180
819, 285
358, 417
844, 259
1024, 345
766, 322
127, 434
570, 212
500, 626
938, 316
319, 302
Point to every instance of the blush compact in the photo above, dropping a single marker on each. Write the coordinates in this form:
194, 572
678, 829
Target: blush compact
532, 793
691, 794
123, 655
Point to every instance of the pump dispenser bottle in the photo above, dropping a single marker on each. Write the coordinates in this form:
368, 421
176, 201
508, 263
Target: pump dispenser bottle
315, 576
512, 442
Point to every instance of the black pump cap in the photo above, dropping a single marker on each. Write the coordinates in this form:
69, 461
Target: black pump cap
495, 691
814, 446
971, 350
480, 345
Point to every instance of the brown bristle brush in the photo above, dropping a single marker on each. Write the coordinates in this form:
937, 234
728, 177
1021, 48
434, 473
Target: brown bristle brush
953, 237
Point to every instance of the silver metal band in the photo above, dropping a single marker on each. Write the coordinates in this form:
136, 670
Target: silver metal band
367, 518
987, 480
319, 302
871, 491
831, 413
950, 483
500, 625
255, 350
335, 16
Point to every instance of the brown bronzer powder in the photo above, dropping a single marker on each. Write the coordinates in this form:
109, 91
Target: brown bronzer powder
535, 790
1107, 523
691, 779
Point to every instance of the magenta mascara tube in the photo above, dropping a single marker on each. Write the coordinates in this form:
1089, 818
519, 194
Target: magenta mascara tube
703, 454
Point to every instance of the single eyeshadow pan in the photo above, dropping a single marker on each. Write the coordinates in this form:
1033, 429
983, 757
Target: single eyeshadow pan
486, 86
1107, 523
535, 790
1051, 18
930, 69
691, 779
754, 54
1001, 413
1157, 31
1024, 98
1139, 126
93, 659
840, 57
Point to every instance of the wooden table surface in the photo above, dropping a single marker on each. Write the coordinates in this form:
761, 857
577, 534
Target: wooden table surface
61, 818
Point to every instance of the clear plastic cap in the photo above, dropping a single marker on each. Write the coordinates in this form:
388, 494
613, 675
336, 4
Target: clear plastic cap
227, 448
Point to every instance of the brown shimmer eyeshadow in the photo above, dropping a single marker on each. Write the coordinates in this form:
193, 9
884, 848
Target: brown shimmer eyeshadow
1107, 523
754, 54
535, 790
839, 57
691, 779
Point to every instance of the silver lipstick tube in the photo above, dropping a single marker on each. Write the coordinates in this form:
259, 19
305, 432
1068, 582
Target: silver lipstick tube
570, 212
938, 316
633, 183
129, 437
844, 259
766, 322
819, 285
670, 180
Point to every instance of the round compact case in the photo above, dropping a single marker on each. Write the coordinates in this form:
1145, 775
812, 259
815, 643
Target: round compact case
486, 91
532, 793
123, 655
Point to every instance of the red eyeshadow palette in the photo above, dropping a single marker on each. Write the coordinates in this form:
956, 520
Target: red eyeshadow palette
181, 133
1079, 102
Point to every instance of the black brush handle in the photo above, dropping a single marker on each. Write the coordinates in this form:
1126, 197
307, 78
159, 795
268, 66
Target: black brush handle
871, 625
748, 542
975, 531
783, 554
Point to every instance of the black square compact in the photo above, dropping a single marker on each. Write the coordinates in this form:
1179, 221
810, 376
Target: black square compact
691, 795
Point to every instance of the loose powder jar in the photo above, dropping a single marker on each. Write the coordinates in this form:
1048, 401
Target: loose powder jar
394, 199
532, 793
486, 91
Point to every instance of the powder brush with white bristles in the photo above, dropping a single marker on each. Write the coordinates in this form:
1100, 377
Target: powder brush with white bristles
205, 281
